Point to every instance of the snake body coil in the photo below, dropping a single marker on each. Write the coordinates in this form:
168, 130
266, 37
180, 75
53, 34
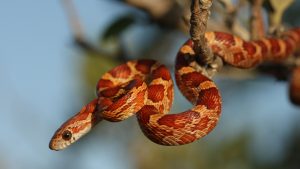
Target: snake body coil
145, 88
294, 89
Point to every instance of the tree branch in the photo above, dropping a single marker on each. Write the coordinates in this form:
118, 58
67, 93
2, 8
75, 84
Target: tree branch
200, 14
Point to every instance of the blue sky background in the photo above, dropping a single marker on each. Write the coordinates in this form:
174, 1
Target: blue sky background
41, 86
38, 77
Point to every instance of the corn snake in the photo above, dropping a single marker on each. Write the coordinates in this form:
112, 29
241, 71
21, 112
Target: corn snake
145, 88
294, 88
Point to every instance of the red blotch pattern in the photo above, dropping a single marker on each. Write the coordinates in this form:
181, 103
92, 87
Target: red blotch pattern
263, 46
249, 47
289, 47
210, 98
110, 92
238, 57
144, 66
104, 83
225, 38
161, 72
294, 89
172, 120
193, 79
275, 48
122, 71
170, 94
156, 93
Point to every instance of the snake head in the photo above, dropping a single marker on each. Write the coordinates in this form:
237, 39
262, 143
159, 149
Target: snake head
74, 128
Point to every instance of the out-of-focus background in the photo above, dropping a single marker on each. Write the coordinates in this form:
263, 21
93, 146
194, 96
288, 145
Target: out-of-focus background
46, 78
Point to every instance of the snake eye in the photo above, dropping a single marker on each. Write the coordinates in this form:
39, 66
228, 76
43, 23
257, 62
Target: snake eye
66, 135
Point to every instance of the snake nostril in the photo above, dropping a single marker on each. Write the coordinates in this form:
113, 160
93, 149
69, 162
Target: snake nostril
66, 135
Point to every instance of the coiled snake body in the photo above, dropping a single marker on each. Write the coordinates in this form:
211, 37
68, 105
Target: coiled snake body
145, 88
294, 89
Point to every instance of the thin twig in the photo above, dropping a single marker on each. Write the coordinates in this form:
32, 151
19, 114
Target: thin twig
200, 14
74, 21
257, 23
231, 18
231, 12
76, 27
79, 36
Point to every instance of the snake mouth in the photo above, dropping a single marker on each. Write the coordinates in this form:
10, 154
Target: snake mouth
53, 145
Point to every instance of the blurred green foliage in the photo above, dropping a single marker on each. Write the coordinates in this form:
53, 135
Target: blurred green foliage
117, 27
